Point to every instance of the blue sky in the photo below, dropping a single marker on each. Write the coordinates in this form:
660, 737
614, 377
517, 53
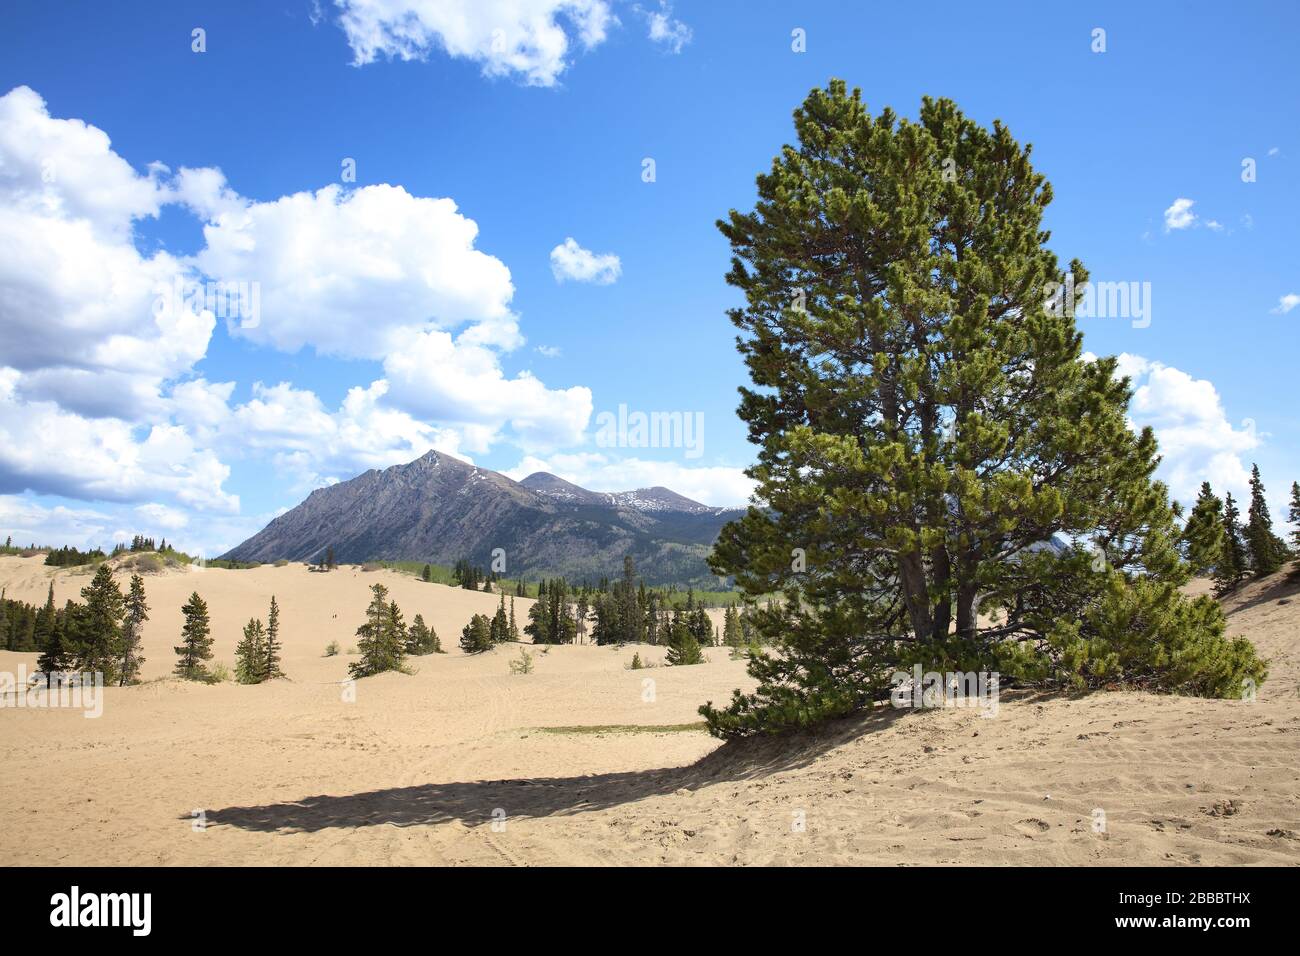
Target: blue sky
391, 322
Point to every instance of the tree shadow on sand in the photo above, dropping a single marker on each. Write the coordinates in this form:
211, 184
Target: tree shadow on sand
472, 802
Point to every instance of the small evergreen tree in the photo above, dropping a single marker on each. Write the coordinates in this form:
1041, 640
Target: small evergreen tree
514, 635
500, 626
1202, 537
382, 638
196, 640
654, 618
427, 574
55, 658
1232, 568
250, 654
1293, 516
271, 667
416, 636
45, 620
581, 612
100, 638
421, 639
683, 648
731, 634
550, 619
137, 612
476, 637
701, 626
1267, 551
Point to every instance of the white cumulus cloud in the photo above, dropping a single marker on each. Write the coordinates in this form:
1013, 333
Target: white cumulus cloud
1179, 215
435, 376
1286, 303
570, 261
1197, 441
29, 522
339, 270
665, 29
81, 315
51, 451
531, 40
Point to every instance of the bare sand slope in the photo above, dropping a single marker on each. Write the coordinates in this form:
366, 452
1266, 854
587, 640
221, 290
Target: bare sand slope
414, 769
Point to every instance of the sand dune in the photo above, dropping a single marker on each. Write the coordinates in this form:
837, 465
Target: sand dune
316, 608
587, 764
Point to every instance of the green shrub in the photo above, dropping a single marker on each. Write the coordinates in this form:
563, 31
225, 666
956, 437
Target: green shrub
218, 673
523, 664
143, 564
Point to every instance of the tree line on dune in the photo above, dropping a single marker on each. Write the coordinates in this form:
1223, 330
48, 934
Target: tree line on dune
99, 634
624, 612
1216, 543
102, 634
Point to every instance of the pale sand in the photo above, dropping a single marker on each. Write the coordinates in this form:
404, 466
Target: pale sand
411, 772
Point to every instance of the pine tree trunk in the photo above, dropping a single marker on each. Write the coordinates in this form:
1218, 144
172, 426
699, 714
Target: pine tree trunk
912, 573
967, 608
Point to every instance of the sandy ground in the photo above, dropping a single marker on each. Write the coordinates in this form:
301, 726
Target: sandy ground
584, 762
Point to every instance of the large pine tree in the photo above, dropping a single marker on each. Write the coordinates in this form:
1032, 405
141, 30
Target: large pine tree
195, 648
1267, 551
926, 421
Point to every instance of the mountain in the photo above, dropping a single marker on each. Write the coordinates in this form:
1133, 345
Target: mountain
656, 499
440, 509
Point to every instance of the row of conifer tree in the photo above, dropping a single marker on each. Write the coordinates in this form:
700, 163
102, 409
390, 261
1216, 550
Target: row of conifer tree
1216, 542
